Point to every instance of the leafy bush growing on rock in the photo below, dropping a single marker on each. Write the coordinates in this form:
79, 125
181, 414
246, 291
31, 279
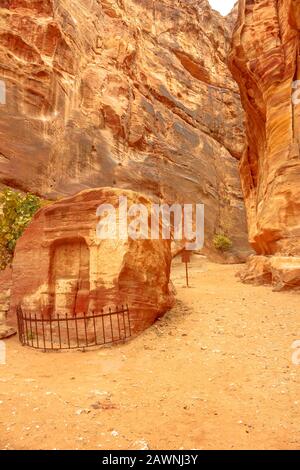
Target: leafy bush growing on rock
222, 242
16, 211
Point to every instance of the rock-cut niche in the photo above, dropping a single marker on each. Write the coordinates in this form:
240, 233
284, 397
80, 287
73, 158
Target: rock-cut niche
69, 277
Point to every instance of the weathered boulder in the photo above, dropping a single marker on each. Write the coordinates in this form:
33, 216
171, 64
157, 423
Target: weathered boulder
131, 94
62, 267
265, 63
282, 272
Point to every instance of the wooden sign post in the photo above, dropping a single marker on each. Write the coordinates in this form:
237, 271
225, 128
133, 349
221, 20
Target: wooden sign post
186, 258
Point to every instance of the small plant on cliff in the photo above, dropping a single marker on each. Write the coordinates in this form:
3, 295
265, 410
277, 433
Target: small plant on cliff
222, 242
16, 211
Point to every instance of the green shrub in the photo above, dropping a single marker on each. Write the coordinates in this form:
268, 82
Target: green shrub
31, 335
222, 242
16, 211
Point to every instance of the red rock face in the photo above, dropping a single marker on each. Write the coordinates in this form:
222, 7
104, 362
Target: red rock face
265, 63
62, 267
131, 94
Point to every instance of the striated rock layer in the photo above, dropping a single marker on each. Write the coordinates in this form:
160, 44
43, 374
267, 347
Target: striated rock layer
62, 267
265, 63
134, 94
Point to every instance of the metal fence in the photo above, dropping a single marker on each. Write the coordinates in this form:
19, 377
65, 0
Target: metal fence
62, 332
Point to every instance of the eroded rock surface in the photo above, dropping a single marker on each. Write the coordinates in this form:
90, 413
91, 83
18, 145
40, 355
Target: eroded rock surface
282, 272
61, 266
265, 63
5, 287
131, 94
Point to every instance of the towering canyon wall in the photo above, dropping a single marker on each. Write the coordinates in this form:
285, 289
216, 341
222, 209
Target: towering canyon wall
265, 62
132, 94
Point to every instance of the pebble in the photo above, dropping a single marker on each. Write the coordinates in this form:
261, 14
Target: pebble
80, 412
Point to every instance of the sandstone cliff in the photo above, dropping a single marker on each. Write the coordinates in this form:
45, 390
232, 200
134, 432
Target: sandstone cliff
131, 94
265, 63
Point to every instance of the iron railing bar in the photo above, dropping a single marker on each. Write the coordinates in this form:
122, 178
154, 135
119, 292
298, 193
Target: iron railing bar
79, 318
44, 340
95, 329
26, 329
22, 328
76, 328
117, 312
128, 316
103, 329
18, 320
31, 332
36, 332
124, 323
51, 332
68, 333
111, 325
19, 325
59, 332
85, 331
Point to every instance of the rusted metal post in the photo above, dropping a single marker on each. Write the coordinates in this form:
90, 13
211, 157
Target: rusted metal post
186, 258
187, 274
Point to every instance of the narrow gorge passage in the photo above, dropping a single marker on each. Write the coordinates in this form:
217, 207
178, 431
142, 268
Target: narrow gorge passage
239, 389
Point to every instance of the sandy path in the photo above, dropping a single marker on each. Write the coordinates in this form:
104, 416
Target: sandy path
216, 372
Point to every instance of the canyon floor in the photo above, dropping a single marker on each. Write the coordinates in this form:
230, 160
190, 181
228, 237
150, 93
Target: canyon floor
215, 373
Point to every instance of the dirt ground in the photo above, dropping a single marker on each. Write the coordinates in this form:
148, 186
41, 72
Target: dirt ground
215, 373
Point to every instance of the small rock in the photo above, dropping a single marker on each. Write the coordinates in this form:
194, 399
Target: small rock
142, 444
83, 411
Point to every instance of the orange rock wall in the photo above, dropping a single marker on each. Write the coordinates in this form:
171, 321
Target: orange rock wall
134, 94
265, 63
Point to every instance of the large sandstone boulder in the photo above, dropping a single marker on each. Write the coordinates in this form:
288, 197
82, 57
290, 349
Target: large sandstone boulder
282, 272
265, 63
131, 94
62, 267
